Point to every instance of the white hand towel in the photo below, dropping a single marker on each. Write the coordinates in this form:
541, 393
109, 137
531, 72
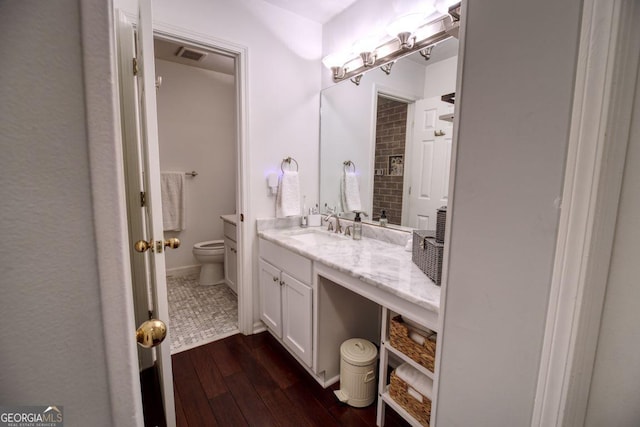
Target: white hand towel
173, 201
288, 198
415, 379
350, 191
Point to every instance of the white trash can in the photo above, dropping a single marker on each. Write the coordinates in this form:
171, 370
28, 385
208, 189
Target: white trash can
357, 372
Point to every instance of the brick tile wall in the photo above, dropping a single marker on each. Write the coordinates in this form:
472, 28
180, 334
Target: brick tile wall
391, 129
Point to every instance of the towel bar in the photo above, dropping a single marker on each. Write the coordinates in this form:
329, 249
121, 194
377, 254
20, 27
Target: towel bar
191, 174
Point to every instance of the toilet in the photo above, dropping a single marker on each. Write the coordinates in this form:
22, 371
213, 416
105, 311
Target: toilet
210, 255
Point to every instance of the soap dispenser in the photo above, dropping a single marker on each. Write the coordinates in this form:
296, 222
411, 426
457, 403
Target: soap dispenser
383, 219
357, 227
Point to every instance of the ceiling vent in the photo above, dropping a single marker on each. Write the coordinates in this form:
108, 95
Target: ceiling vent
189, 53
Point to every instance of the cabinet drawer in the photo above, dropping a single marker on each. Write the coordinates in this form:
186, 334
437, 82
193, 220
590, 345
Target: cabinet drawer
230, 231
296, 265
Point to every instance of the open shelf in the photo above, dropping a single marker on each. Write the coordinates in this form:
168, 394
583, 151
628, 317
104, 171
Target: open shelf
409, 360
386, 397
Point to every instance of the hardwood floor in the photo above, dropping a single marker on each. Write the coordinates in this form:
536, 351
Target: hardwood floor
253, 381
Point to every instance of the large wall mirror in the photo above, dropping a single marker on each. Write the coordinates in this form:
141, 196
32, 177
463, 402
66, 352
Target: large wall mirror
396, 131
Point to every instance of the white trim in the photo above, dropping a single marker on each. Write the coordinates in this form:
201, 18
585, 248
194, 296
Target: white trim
245, 285
601, 119
448, 232
109, 211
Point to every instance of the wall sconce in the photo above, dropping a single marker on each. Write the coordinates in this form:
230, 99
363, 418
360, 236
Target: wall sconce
410, 34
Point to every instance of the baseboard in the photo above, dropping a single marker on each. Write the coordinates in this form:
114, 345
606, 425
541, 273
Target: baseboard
259, 327
183, 271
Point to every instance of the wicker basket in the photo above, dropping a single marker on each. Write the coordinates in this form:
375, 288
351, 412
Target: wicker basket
424, 354
441, 222
427, 254
398, 390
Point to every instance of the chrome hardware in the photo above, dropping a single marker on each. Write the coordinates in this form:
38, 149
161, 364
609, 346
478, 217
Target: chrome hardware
151, 333
332, 213
192, 174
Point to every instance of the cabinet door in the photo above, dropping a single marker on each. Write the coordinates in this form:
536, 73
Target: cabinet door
270, 297
231, 264
297, 317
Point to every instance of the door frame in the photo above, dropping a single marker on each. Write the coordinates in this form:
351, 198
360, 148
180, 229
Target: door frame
240, 53
604, 91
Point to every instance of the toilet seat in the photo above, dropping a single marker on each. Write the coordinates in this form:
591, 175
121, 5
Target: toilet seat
209, 245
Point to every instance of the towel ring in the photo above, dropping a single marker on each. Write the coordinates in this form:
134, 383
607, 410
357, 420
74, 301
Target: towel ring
347, 164
288, 161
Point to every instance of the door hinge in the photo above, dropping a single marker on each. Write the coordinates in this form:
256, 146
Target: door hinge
135, 66
143, 199
150, 314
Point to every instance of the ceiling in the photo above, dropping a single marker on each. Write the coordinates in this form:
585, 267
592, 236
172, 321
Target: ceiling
319, 11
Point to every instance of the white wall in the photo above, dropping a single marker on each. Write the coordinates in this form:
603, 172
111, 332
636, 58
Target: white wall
196, 124
51, 344
440, 78
283, 88
512, 140
615, 385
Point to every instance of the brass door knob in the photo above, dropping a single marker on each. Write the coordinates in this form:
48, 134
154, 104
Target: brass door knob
151, 333
172, 243
142, 245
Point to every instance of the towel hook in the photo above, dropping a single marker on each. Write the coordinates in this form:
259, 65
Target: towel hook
347, 164
288, 161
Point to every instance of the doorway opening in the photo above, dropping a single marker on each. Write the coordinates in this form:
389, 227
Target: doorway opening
197, 108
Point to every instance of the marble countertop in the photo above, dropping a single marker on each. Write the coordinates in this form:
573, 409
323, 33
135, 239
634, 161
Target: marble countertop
383, 265
232, 218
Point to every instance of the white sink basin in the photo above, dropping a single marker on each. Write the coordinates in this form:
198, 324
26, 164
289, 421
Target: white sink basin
317, 237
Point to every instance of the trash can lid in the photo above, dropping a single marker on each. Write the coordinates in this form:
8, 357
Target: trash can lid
358, 351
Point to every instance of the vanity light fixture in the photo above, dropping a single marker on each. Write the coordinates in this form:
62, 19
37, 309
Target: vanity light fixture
387, 67
356, 80
404, 26
335, 62
426, 52
410, 34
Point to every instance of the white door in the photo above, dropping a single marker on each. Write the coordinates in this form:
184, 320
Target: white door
427, 164
296, 317
148, 161
270, 297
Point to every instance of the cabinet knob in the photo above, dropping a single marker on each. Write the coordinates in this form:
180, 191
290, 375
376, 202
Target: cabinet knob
275, 279
281, 282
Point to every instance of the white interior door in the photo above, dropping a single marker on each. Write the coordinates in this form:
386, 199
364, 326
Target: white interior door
428, 163
143, 174
151, 163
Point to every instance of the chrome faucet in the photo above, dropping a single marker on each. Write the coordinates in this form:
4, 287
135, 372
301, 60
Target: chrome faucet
331, 212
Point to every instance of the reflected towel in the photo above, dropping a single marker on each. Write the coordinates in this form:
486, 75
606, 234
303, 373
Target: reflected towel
173, 201
288, 198
350, 192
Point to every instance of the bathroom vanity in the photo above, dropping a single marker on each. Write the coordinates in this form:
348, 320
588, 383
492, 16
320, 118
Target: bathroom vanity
318, 289
230, 251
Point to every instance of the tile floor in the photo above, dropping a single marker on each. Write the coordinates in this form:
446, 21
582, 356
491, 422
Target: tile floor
199, 314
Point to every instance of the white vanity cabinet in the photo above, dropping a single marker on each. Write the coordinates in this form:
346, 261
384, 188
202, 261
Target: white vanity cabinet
230, 256
286, 298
